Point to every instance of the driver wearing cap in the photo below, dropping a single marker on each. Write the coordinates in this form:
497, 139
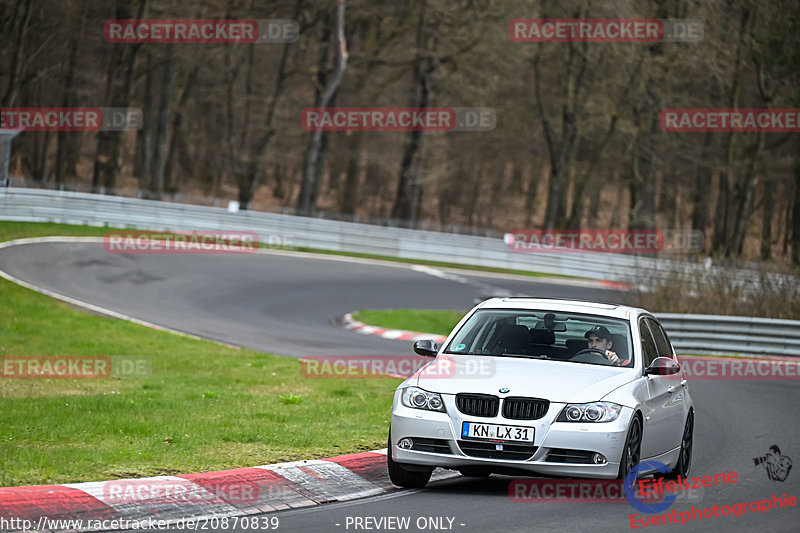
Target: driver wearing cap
599, 338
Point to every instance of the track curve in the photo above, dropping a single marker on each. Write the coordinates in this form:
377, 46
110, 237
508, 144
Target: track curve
284, 303
277, 302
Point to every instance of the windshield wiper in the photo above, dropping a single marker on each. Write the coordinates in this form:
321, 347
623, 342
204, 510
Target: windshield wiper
526, 356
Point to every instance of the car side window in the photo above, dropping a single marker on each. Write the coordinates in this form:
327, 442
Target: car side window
648, 344
660, 337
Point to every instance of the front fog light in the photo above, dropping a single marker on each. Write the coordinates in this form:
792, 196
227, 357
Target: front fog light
405, 443
599, 459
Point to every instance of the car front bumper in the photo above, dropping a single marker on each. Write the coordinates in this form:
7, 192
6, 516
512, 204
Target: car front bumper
606, 438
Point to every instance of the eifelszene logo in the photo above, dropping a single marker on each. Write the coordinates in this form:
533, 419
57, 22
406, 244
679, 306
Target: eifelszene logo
630, 483
658, 494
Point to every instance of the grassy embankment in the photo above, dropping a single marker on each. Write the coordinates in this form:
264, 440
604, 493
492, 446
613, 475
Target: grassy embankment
204, 406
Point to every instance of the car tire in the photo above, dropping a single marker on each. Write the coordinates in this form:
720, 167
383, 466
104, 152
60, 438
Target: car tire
631, 454
685, 458
402, 477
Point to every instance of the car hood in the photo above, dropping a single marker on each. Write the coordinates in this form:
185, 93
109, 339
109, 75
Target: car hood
557, 381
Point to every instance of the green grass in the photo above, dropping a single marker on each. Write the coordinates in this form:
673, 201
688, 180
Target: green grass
204, 407
423, 321
19, 230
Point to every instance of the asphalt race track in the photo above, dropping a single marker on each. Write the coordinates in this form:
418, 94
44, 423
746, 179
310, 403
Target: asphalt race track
286, 303
274, 302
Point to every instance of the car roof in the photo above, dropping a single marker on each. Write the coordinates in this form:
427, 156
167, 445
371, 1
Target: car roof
564, 305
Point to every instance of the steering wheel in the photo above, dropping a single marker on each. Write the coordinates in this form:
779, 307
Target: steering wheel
596, 351
591, 351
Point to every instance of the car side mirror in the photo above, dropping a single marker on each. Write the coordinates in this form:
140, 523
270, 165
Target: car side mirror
426, 348
662, 366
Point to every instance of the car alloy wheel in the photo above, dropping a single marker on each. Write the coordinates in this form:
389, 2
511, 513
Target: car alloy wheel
685, 458
633, 446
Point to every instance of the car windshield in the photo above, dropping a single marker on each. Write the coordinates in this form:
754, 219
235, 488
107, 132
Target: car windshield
546, 335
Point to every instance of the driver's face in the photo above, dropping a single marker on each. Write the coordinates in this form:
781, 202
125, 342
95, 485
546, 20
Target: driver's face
598, 343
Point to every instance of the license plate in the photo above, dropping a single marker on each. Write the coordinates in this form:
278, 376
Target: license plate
496, 432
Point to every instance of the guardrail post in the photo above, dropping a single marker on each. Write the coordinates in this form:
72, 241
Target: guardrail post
6, 135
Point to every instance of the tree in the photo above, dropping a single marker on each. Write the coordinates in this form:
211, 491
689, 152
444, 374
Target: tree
306, 202
163, 123
119, 87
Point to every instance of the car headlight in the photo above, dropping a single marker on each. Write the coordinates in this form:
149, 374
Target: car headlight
590, 412
417, 398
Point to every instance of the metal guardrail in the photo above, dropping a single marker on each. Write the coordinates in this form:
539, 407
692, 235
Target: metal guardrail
737, 335
176, 197
43, 205
40, 205
689, 333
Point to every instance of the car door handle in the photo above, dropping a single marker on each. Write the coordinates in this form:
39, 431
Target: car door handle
683, 383
670, 389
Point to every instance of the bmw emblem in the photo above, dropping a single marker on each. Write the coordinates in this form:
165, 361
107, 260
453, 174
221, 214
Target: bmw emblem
503, 390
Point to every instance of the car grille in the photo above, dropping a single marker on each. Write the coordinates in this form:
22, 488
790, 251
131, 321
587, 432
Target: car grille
430, 445
560, 455
515, 408
488, 450
483, 405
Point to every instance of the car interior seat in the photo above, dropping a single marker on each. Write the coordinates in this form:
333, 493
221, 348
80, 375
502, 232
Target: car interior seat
620, 346
542, 336
515, 339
